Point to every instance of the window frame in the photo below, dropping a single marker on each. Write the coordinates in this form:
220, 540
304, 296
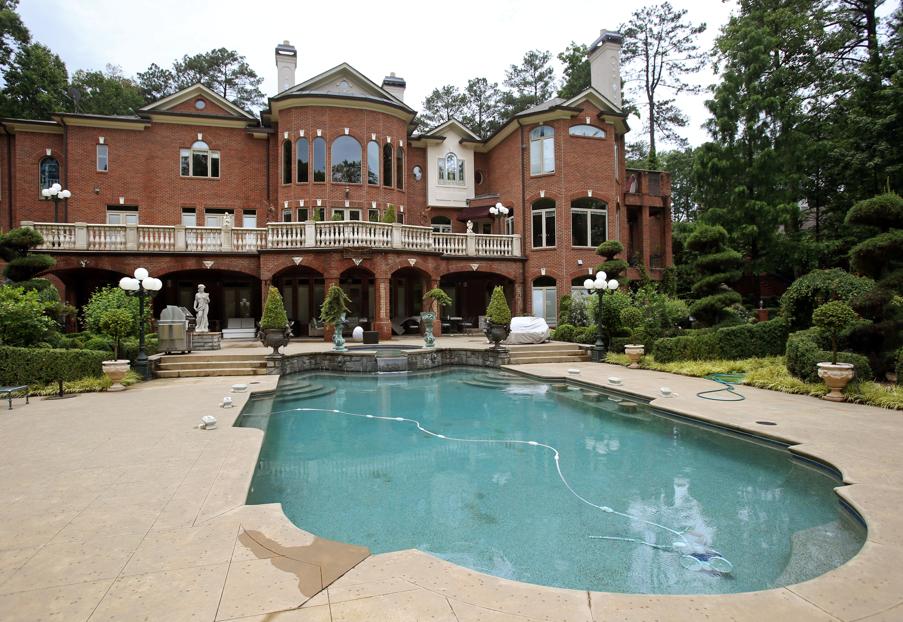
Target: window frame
374, 164
441, 227
542, 136
344, 138
248, 213
388, 165
547, 212
589, 213
302, 165
347, 212
189, 211
187, 156
399, 168
451, 170
286, 162
106, 157
319, 141
587, 125
125, 213
47, 179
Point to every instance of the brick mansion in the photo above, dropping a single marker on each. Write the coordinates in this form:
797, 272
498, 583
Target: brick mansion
197, 190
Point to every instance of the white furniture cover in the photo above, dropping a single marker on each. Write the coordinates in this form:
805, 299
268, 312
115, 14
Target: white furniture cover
526, 330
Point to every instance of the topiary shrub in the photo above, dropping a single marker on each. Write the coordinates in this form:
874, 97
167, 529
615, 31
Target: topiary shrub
498, 311
15, 247
697, 347
668, 283
818, 287
117, 324
111, 297
832, 318
45, 365
586, 334
334, 306
438, 299
613, 268
564, 332
718, 267
100, 344
732, 342
274, 316
632, 320
805, 350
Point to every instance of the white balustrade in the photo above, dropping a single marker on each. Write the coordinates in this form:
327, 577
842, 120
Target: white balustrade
156, 238
203, 238
106, 237
416, 238
247, 240
495, 245
450, 243
285, 235
56, 236
353, 233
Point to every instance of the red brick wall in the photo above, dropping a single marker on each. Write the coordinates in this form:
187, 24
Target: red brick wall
29, 149
210, 108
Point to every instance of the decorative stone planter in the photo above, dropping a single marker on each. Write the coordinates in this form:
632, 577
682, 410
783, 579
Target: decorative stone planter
496, 333
634, 352
116, 371
836, 377
427, 318
274, 338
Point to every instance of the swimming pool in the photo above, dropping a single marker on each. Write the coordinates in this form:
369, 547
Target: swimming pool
636, 501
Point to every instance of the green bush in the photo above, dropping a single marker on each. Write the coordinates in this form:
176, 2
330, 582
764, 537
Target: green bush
668, 284
389, 214
564, 309
878, 255
117, 324
564, 332
498, 311
884, 211
23, 319
578, 316
805, 349
46, 365
128, 349
98, 343
832, 318
438, 299
274, 316
717, 266
686, 348
899, 368
25, 268
613, 268
817, 288
111, 297
732, 342
586, 334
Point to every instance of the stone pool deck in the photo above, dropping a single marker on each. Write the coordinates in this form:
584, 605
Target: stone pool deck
114, 507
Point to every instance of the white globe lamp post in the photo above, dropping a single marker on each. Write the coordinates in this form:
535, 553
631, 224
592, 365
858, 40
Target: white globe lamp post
600, 285
142, 285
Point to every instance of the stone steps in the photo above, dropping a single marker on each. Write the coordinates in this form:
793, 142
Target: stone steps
549, 358
211, 371
211, 365
186, 365
547, 353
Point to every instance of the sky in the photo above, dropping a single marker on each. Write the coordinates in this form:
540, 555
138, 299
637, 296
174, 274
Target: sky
429, 44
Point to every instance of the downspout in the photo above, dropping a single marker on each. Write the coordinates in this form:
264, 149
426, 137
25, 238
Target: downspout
9, 175
523, 211
65, 167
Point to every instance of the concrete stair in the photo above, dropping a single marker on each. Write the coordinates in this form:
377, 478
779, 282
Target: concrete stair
171, 366
554, 352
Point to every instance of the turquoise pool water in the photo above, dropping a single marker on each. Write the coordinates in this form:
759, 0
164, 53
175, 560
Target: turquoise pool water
503, 508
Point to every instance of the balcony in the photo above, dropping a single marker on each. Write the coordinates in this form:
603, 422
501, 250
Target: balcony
81, 236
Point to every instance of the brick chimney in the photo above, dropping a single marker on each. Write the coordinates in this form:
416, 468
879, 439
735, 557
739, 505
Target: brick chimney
394, 85
605, 65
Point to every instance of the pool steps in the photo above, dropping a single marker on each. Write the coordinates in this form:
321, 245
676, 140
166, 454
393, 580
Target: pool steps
194, 366
554, 352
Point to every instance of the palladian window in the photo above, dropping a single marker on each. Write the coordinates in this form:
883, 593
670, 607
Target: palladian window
543, 223
542, 150
451, 170
319, 159
346, 160
373, 163
589, 222
302, 159
199, 161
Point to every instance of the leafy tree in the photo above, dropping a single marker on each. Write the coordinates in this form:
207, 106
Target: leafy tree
441, 105
21, 264
680, 162
13, 33
482, 107
660, 49
117, 323
833, 318
531, 82
335, 304
23, 317
576, 70
110, 297
613, 268
106, 92
35, 84
389, 214
156, 83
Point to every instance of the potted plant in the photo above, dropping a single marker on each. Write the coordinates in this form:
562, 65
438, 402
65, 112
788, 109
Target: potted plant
632, 320
438, 299
118, 324
332, 313
833, 318
498, 317
275, 331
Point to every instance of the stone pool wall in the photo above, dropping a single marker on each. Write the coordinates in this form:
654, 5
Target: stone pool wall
365, 362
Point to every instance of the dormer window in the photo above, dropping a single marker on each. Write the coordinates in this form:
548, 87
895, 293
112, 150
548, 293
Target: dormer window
199, 161
451, 170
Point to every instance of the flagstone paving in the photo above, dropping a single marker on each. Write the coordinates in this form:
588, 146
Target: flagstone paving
115, 507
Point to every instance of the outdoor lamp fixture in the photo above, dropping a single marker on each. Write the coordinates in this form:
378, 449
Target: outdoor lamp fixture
599, 285
57, 193
142, 285
498, 210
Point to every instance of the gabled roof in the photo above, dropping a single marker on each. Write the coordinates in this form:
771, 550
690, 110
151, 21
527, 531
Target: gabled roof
437, 132
343, 81
191, 92
595, 98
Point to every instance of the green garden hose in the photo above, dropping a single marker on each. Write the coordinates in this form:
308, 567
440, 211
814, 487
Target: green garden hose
727, 381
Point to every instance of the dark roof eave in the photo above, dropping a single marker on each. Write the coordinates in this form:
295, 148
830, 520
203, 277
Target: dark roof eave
384, 102
190, 115
101, 117
32, 121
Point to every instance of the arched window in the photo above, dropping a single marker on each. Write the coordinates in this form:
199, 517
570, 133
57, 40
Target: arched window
589, 222
319, 159
373, 163
302, 158
441, 224
286, 161
199, 161
387, 165
399, 168
543, 223
542, 150
451, 170
49, 169
586, 131
346, 160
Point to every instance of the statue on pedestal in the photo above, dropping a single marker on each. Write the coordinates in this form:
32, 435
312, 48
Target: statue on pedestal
244, 308
201, 306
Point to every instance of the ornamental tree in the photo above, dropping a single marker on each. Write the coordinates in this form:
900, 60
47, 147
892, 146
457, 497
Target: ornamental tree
614, 268
438, 299
718, 267
334, 306
117, 323
833, 318
274, 316
498, 311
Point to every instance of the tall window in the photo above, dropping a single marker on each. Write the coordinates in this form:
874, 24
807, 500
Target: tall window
542, 150
387, 165
319, 159
302, 159
589, 219
373, 163
286, 161
49, 172
346, 160
399, 168
441, 224
451, 170
103, 158
199, 161
543, 223
545, 299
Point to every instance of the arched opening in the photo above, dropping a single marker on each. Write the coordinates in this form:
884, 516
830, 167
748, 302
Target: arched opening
79, 283
302, 158
346, 160
319, 159
545, 299
233, 295
373, 163
470, 293
302, 290
407, 286
387, 165
359, 286
399, 168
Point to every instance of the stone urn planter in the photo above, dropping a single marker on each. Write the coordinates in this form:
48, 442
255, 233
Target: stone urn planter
116, 371
427, 318
496, 333
836, 377
274, 338
634, 353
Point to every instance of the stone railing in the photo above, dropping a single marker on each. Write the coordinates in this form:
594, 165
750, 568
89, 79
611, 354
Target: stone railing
276, 235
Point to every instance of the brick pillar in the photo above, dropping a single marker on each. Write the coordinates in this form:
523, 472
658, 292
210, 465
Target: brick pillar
646, 243
668, 259
383, 323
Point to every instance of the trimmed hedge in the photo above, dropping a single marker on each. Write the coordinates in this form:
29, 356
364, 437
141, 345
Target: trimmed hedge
900, 367
46, 365
564, 332
805, 349
733, 342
